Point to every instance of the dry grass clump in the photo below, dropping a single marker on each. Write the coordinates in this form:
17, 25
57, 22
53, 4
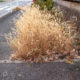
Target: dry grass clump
16, 9
38, 38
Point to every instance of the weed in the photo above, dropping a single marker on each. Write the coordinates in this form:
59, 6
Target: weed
39, 38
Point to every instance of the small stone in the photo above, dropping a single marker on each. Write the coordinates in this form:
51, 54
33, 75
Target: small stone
19, 75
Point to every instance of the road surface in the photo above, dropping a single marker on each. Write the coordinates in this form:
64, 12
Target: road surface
68, 4
7, 7
5, 27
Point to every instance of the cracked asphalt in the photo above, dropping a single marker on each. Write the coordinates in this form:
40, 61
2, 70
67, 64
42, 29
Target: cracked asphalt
31, 71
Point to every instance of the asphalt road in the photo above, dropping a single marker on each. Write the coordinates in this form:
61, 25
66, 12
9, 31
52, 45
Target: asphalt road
39, 71
31, 71
7, 7
6, 24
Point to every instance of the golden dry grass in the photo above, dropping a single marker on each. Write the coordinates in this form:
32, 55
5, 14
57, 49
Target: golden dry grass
39, 38
16, 9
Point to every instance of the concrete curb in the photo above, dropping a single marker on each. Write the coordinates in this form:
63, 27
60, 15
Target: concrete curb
70, 5
59, 61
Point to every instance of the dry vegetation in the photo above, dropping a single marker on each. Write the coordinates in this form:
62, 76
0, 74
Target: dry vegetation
16, 9
38, 37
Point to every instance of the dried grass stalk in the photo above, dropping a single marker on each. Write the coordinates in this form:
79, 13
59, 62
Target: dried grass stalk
39, 38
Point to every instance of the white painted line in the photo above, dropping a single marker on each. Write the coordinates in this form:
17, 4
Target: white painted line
8, 7
4, 7
1, 15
